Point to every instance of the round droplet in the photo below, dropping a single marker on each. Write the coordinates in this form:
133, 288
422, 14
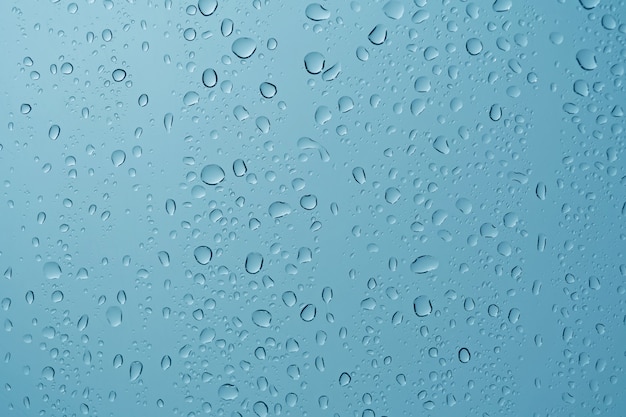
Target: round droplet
392, 195
345, 104
308, 312
378, 35
228, 392
47, 373
67, 68
586, 59
314, 62
424, 264
316, 12
308, 201
268, 90
239, 168
209, 78
502, 5
422, 84
262, 318
358, 174
474, 46
25, 108
212, 174
227, 27
52, 270
166, 362
362, 54
114, 316
143, 100
394, 9
422, 306
344, 379
464, 355
244, 47
118, 157
323, 115
203, 254
254, 262
191, 98
207, 7
279, 209
207, 335
54, 132
118, 75
136, 368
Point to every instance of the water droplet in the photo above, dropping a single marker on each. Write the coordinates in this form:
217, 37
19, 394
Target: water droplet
136, 368
143, 100
47, 373
212, 174
203, 254
279, 209
268, 90
191, 98
207, 7
262, 318
394, 9
440, 144
362, 54
464, 355
164, 258
308, 312
207, 335
502, 5
316, 12
209, 78
308, 202
170, 206
52, 270
118, 157
114, 316
244, 47
344, 379
424, 264
166, 362
314, 62
54, 132
474, 46
586, 59
422, 306
25, 108
83, 322
118, 75
228, 392
168, 121
254, 262
378, 35
589, 4
430, 53
67, 68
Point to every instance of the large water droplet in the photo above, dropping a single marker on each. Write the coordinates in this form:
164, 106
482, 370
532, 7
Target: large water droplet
422, 306
254, 262
203, 254
114, 316
228, 392
424, 264
52, 270
136, 368
279, 209
316, 12
212, 174
262, 318
207, 7
244, 47
586, 59
314, 62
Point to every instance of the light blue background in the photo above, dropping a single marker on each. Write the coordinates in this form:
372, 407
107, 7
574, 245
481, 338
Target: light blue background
553, 346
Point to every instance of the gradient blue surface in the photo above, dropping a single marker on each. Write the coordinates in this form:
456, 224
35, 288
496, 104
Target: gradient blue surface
264, 208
